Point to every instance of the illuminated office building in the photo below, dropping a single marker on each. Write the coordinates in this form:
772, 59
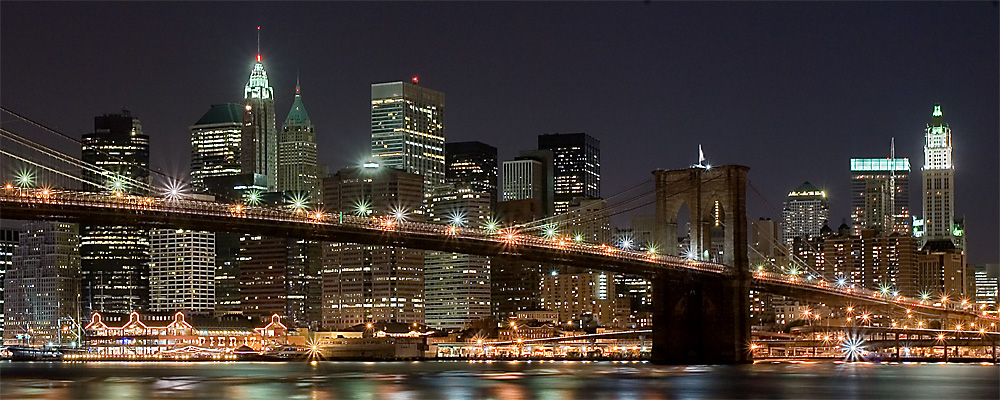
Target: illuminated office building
938, 182
298, 171
8, 242
216, 169
115, 258
880, 195
472, 165
408, 130
576, 167
368, 284
457, 286
259, 139
215, 144
42, 286
806, 211
182, 271
281, 276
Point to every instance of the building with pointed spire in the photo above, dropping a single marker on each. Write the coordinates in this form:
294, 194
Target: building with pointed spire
805, 212
259, 138
939, 181
298, 171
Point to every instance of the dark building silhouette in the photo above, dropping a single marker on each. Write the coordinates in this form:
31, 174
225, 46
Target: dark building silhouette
115, 258
472, 165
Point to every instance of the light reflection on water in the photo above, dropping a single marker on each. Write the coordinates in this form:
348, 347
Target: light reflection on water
498, 380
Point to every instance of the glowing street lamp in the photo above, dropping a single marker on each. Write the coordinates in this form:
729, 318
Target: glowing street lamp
253, 197
492, 226
550, 232
25, 179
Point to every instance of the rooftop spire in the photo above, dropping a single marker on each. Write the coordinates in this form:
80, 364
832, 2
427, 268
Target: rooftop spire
937, 117
297, 116
258, 43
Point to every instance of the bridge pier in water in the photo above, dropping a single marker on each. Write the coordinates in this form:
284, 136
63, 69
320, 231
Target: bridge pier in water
701, 319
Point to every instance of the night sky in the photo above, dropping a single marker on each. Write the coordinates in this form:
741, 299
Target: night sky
792, 90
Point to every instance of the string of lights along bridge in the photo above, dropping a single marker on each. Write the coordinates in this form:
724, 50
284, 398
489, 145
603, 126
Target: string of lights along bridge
23, 200
266, 205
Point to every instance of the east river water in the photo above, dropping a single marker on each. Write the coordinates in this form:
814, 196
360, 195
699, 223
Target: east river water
496, 380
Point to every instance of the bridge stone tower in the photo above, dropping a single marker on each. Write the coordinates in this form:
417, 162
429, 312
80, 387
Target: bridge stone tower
699, 319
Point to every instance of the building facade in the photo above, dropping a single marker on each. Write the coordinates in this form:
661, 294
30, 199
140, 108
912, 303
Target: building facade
42, 286
457, 286
805, 212
872, 261
115, 258
408, 130
9, 239
988, 285
880, 195
472, 165
281, 276
367, 284
298, 169
259, 136
576, 167
182, 271
938, 180
215, 144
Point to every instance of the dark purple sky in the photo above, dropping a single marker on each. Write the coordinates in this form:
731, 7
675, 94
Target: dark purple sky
792, 90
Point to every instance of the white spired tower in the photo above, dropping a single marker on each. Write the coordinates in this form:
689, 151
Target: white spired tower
939, 181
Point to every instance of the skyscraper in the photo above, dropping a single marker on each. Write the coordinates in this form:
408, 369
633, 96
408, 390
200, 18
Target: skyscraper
805, 212
216, 168
182, 271
363, 283
215, 144
576, 165
872, 261
523, 179
408, 130
938, 181
457, 286
472, 165
259, 138
42, 286
297, 167
8, 242
115, 258
281, 276
880, 195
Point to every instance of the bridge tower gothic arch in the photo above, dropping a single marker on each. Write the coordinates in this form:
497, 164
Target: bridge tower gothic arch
700, 319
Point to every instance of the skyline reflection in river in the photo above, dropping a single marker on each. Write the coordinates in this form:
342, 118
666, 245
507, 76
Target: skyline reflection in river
497, 380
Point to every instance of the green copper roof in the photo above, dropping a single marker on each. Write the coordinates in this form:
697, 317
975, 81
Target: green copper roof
297, 116
937, 117
222, 114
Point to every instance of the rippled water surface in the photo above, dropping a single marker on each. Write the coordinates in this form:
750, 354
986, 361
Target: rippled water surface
497, 380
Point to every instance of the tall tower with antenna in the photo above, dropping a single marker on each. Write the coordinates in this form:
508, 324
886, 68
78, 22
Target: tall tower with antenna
259, 139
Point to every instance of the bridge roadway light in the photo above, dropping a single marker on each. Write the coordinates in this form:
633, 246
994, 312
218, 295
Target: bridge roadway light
25, 178
492, 226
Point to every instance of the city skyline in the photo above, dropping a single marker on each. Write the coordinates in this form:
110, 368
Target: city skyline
767, 122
